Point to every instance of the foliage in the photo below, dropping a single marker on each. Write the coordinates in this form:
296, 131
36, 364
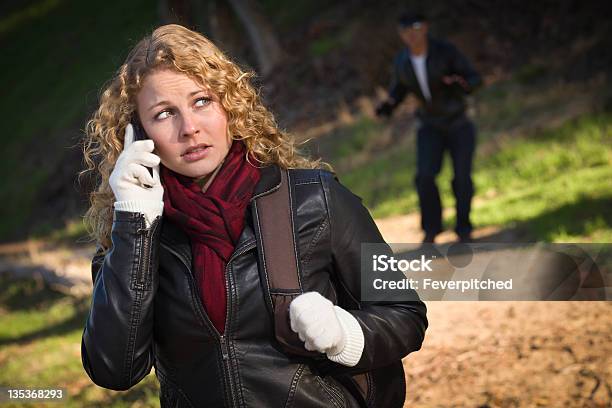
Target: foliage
553, 183
40, 347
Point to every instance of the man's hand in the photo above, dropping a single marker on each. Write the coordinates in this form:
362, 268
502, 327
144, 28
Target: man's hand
456, 79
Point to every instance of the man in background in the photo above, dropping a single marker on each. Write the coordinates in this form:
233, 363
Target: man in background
440, 77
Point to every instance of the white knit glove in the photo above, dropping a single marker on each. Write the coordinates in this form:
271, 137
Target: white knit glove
326, 328
129, 177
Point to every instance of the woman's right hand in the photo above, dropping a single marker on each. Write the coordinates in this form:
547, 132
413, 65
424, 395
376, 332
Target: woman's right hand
134, 188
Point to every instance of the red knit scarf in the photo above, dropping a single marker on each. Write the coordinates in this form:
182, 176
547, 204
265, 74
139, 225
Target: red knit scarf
213, 220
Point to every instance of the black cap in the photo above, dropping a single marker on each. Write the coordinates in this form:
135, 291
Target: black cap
409, 18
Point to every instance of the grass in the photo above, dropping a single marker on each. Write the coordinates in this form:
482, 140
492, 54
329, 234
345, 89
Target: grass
331, 42
74, 231
351, 140
40, 346
554, 184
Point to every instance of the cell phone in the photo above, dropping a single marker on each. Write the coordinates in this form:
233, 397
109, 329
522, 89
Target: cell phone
140, 134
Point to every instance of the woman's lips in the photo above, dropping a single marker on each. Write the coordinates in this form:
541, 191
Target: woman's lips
197, 154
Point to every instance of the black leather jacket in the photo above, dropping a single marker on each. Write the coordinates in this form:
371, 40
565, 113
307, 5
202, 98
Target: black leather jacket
146, 310
447, 102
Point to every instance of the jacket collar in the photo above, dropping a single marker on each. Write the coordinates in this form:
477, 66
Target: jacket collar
270, 179
173, 236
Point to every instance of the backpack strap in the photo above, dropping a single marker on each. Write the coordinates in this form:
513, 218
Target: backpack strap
280, 261
282, 277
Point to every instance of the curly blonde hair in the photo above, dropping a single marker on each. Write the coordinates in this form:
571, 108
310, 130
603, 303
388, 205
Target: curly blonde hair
182, 50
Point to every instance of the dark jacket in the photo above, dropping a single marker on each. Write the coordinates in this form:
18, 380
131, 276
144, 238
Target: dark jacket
447, 101
146, 310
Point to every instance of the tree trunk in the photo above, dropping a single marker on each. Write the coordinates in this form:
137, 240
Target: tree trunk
265, 44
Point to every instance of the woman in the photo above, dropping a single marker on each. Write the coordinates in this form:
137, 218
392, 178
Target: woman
177, 274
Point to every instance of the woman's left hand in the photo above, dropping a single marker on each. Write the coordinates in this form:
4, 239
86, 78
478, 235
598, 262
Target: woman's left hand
314, 319
326, 328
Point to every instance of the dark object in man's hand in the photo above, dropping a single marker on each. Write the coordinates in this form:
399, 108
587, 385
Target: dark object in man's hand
384, 109
456, 79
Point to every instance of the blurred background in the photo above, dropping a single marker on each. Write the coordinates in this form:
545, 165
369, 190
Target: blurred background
542, 170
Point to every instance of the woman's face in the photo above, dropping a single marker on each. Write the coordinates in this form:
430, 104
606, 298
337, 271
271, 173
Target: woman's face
179, 115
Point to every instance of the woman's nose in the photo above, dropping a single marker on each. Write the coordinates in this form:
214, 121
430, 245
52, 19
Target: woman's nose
189, 125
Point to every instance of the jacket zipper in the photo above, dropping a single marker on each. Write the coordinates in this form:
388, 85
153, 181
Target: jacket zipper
338, 393
223, 342
227, 368
334, 392
145, 250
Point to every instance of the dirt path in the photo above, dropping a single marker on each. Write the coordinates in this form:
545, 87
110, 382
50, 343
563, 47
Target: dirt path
68, 268
407, 229
513, 354
475, 354
507, 354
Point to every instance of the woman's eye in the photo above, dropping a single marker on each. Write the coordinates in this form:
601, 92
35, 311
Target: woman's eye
202, 101
162, 115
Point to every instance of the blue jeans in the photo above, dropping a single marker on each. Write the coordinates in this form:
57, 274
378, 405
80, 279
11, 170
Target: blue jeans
460, 140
